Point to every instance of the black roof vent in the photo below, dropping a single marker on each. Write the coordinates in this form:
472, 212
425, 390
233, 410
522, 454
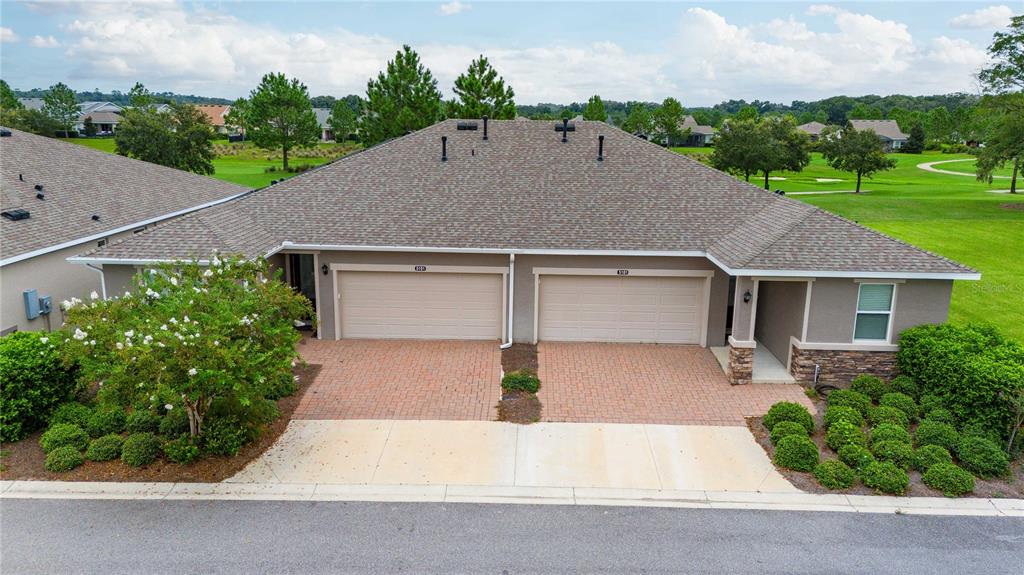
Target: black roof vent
40, 196
566, 125
444, 148
780, 192
485, 126
15, 214
5, 133
600, 148
39, 187
462, 126
95, 218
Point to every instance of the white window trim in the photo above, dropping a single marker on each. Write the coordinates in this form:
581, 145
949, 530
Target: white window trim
891, 313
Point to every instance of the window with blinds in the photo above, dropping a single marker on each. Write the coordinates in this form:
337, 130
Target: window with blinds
874, 312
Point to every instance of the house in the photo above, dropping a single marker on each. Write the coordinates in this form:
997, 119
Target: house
812, 129
520, 231
887, 130
60, 199
216, 113
322, 117
104, 115
698, 136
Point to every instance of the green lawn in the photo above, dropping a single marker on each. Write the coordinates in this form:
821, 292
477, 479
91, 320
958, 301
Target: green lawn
247, 166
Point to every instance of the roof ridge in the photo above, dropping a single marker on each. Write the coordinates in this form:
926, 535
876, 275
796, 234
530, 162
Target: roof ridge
803, 211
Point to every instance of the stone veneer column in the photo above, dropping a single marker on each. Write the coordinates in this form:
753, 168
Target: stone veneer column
839, 367
741, 362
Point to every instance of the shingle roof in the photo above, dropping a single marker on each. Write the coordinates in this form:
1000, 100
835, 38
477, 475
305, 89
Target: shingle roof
885, 128
523, 189
812, 128
79, 182
322, 115
689, 123
214, 112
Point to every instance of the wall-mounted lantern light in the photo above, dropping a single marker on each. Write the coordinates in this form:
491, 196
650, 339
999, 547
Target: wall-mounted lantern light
325, 269
747, 296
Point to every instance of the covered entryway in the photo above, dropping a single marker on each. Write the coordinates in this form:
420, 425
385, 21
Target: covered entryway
409, 304
603, 306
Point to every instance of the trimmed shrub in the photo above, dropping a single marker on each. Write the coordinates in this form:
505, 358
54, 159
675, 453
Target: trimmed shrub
949, 479
929, 455
64, 434
224, 436
940, 414
856, 456
885, 477
870, 386
784, 428
35, 381
936, 433
174, 424
796, 452
105, 421
976, 429
844, 433
902, 402
181, 450
520, 380
142, 421
850, 398
834, 474
891, 415
930, 403
140, 449
71, 412
889, 432
63, 459
842, 413
905, 385
982, 456
896, 452
104, 448
789, 411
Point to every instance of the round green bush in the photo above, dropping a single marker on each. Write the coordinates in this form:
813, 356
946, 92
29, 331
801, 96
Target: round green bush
224, 436
140, 449
982, 456
71, 412
142, 421
931, 432
845, 413
796, 452
942, 415
789, 411
897, 452
844, 433
834, 474
887, 414
931, 402
104, 448
870, 386
978, 429
105, 421
784, 428
63, 459
906, 385
856, 456
35, 381
885, 477
949, 479
174, 424
850, 398
181, 450
889, 432
929, 455
521, 380
64, 434
902, 402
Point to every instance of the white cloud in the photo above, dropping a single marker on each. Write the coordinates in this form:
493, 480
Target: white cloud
44, 42
454, 7
7, 35
984, 18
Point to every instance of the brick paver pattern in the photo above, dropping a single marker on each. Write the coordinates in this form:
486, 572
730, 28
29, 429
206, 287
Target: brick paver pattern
648, 383
402, 379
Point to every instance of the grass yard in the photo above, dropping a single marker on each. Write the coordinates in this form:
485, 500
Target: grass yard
246, 164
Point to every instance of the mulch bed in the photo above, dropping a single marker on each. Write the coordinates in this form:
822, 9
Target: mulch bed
24, 459
518, 406
519, 356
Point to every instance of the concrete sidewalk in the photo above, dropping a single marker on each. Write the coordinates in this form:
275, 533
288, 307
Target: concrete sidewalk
494, 454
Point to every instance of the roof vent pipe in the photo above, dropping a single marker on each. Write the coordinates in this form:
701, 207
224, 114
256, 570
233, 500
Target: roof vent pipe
565, 130
485, 127
600, 148
444, 148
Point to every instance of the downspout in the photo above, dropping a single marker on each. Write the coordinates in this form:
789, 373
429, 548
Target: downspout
511, 297
103, 279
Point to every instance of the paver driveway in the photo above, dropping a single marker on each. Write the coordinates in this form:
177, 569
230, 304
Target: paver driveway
647, 383
402, 379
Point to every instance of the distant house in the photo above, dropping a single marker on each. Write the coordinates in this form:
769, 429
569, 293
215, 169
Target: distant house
32, 103
104, 115
699, 136
215, 113
812, 129
322, 116
887, 130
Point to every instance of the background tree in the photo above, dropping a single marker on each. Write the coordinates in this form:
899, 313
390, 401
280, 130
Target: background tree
668, 120
60, 105
181, 138
8, 99
595, 109
481, 92
739, 148
915, 143
639, 121
849, 150
1004, 142
1006, 73
747, 113
88, 127
139, 96
237, 116
280, 116
342, 121
786, 148
402, 99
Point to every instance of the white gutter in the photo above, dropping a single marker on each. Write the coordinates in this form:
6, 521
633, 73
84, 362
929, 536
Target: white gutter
103, 279
101, 235
511, 297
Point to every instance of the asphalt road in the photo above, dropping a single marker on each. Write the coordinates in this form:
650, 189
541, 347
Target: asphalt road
108, 537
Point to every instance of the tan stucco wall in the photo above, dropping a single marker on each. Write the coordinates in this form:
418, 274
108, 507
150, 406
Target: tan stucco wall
741, 310
780, 315
834, 306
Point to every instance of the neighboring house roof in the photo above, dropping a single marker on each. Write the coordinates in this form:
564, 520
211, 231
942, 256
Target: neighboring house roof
525, 190
322, 115
689, 123
887, 129
215, 113
89, 107
32, 103
812, 128
101, 117
80, 182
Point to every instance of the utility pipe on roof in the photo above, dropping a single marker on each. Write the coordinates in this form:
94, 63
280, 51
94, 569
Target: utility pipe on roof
511, 297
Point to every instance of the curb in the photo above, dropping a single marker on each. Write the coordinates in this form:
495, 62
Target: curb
513, 495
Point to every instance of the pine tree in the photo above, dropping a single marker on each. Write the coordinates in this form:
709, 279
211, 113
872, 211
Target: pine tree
59, 104
279, 115
595, 110
481, 92
915, 143
402, 99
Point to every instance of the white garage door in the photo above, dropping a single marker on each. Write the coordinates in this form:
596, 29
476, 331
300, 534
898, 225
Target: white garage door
625, 309
420, 305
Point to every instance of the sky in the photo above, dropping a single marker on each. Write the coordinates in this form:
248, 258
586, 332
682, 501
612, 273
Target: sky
699, 53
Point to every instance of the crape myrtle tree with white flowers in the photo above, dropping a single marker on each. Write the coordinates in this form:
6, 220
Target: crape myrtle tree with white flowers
187, 334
